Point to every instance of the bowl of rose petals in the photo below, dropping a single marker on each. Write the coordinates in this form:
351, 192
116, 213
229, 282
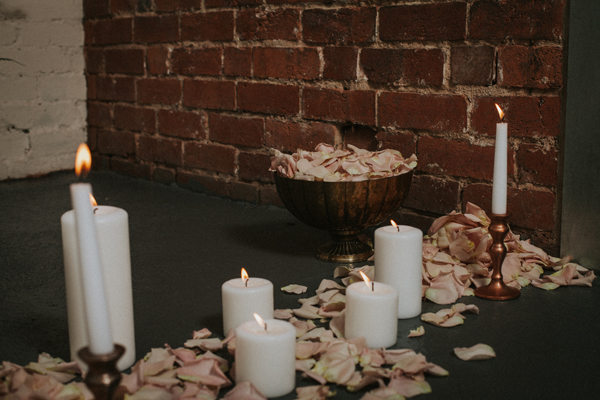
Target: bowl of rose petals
343, 192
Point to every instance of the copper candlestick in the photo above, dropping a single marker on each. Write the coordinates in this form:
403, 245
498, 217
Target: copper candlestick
103, 377
497, 289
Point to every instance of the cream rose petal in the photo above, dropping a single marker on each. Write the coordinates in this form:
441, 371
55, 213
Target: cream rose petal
478, 352
295, 289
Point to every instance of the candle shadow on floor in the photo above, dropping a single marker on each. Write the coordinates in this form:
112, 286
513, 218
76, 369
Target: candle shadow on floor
290, 238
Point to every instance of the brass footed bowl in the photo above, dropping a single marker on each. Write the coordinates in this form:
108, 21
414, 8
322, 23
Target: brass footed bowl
344, 209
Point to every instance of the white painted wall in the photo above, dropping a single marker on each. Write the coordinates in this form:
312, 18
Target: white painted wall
43, 101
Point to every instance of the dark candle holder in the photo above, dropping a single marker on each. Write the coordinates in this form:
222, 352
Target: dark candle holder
103, 376
497, 289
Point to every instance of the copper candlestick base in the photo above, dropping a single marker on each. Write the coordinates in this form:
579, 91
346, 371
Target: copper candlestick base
103, 377
497, 289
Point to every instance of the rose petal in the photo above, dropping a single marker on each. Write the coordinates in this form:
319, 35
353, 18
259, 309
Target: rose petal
420, 331
283, 314
408, 387
296, 289
244, 391
478, 352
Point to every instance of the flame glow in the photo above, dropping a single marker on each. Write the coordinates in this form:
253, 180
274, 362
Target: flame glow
83, 160
93, 201
244, 275
366, 279
260, 321
500, 112
394, 224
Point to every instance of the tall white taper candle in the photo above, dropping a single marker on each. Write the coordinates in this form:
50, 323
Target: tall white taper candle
500, 168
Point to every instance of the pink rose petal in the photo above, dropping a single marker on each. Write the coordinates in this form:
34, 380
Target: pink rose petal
408, 387
296, 289
244, 391
420, 331
283, 314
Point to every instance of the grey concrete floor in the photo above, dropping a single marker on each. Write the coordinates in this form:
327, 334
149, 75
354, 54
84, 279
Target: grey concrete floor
184, 245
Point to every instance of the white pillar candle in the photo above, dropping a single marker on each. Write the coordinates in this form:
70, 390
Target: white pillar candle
500, 167
266, 357
113, 242
372, 313
243, 297
398, 263
92, 281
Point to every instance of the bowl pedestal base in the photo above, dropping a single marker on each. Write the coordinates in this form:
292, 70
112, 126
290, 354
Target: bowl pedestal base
345, 247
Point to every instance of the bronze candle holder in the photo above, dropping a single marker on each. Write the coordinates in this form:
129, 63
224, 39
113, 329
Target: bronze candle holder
103, 376
497, 289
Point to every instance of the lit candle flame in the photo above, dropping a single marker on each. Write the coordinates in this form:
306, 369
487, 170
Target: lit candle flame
245, 276
83, 160
500, 112
394, 225
367, 280
93, 201
260, 321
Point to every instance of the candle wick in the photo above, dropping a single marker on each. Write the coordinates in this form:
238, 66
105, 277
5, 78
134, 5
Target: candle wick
398, 228
247, 281
372, 286
265, 326
95, 209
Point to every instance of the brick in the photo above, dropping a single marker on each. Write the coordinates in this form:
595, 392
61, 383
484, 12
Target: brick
88, 32
296, 63
177, 5
213, 157
269, 98
432, 194
184, 124
238, 61
158, 91
537, 165
131, 168
205, 61
123, 6
529, 208
356, 106
459, 158
352, 25
113, 31
160, 150
445, 21
219, 95
423, 67
157, 60
94, 60
255, 167
403, 67
244, 191
119, 143
281, 24
125, 61
111, 88
156, 29
527, 116
203, 183
231, 3
360, 136
95, 8
134, 118
236, 130
423, 111
288, 136
528, 20
99, 114
530, 67
472, 65
340, 63
164, 175
405, 143
211, 26
92, 86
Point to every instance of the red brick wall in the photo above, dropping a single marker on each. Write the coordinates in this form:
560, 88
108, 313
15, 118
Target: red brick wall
197, 91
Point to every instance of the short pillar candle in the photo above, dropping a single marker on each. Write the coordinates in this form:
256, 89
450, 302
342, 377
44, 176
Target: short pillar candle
242, 297
265, 355
372, 313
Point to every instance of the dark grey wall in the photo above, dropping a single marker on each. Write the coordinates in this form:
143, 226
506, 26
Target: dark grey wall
581, 167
